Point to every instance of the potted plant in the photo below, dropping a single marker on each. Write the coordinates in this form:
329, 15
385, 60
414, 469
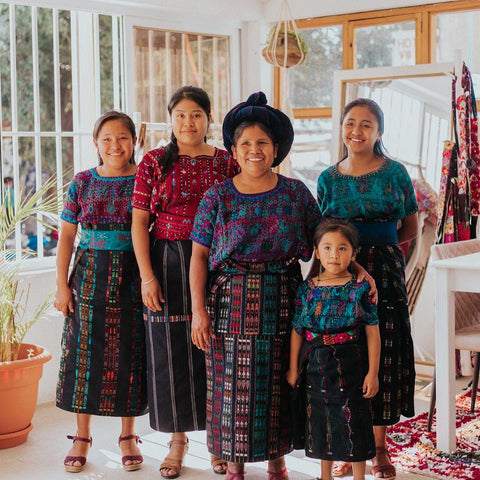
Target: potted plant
285, 46
21, 365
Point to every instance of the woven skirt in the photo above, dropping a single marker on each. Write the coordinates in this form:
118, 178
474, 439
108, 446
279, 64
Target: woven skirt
397, 364
102, 367
248, 398
175, 367
339, 422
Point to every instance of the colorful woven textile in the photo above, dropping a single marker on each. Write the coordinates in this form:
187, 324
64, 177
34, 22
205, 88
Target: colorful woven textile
413, 448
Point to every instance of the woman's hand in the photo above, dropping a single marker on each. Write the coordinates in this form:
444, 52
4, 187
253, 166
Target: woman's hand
292, 376
63, 301
370, 385
202, 330
362, 275
152, 295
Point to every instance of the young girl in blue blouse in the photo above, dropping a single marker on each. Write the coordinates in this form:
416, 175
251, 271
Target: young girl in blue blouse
338, 321
376, 194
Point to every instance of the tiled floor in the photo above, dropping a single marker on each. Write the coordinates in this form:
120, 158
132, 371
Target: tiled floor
41, 457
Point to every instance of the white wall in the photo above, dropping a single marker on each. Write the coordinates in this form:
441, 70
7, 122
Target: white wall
47, 332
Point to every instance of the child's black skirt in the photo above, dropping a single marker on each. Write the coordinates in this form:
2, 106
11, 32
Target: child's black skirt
339, 420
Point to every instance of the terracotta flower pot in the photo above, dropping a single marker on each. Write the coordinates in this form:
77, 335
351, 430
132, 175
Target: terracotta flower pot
18, 393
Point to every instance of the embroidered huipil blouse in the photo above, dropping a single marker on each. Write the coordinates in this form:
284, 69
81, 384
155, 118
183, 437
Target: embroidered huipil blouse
386, 194
102, 205
323, 310
263, 227
174, 197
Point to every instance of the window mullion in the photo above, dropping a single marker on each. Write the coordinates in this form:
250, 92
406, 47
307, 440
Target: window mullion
57, 100
14, 113
75, 88
36, 122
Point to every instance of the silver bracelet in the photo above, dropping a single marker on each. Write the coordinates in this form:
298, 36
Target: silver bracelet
148, 281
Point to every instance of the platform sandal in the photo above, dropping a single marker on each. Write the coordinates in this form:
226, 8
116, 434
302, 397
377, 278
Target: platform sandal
72, 458
234, 475
130, 467
174, 464
282, 475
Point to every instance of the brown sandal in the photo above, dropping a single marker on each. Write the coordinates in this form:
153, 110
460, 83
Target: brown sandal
131, 466
174, 464
70, 458
388, 470
219, 465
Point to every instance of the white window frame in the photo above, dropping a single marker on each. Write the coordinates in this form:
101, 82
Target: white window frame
86, 102
178, 24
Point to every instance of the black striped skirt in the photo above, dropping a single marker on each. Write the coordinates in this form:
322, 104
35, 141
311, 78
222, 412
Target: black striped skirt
175, 367
248, 398
339, 422
102, 367
396, 375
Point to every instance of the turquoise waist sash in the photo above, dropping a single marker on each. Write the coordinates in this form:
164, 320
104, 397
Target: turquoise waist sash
94, 238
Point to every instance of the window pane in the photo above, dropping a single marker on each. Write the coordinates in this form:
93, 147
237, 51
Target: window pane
106, 62
310, 153
165, 61
385, 45
24, 67
45, 69
223, 76
65, 53
416, 114
311, 83
458, 38
6, 100
191, 44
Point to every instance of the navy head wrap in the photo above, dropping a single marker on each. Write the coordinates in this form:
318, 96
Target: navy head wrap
256, 109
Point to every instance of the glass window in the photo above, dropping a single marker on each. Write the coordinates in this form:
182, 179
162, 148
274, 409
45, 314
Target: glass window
416, 113
310, 153
38, 137
165, 61
458, 38
311, 83
385, 45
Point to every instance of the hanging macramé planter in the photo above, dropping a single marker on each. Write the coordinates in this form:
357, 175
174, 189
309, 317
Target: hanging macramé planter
285, 46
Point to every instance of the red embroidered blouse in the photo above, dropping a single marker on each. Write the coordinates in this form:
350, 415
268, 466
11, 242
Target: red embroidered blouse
173, 200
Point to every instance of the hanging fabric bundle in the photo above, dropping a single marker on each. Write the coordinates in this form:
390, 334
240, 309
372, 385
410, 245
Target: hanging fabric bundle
459, 195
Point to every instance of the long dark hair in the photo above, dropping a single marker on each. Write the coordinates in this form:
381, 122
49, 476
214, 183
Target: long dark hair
201, 98
374, 108
114, 115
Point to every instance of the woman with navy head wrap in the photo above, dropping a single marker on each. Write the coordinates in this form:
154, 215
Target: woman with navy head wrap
249, 233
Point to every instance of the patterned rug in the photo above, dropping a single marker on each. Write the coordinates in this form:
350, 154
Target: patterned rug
413, 448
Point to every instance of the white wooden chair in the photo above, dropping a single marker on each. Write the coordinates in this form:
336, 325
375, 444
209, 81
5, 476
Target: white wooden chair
467, 315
